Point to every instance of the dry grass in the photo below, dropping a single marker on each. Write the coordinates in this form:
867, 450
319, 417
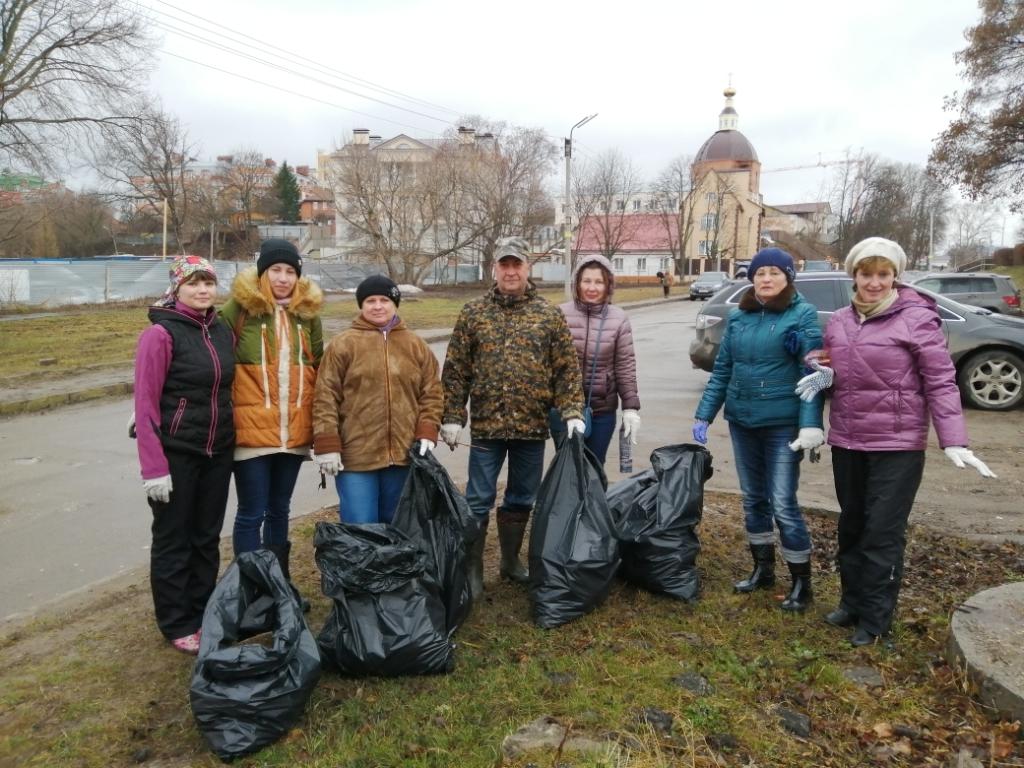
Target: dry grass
98, 687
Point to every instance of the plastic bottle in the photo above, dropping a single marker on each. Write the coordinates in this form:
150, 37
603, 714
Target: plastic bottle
625, 452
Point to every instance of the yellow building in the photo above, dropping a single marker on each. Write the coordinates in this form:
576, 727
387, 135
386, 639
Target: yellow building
725, 207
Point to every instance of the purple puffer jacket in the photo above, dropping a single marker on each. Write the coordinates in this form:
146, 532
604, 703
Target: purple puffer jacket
616, 361
891, 371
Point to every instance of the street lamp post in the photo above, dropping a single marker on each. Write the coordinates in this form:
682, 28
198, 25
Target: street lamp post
567, 218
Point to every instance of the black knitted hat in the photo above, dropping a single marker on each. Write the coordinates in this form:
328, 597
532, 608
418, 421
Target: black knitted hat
378, 285
278, 251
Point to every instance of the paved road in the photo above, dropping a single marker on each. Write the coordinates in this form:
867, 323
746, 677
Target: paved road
72, 513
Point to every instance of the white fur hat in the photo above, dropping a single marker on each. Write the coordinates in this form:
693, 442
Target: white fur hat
877, 246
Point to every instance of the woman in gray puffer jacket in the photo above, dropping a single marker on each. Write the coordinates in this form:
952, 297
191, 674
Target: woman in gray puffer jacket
603, 339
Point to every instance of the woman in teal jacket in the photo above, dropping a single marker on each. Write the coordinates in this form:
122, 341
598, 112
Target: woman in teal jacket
759, 363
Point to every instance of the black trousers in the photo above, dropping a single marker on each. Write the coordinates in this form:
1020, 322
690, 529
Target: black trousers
185, 556
876, 490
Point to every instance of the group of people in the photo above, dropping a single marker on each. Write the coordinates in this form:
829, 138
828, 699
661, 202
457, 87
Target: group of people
884, 361
252, 390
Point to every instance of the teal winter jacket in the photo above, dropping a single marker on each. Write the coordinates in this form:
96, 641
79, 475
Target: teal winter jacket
760, 361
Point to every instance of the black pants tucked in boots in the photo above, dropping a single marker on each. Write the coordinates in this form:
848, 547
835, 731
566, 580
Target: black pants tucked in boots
185, 556
876, 490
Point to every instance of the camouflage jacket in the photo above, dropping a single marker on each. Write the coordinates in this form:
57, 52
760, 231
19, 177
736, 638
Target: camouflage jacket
513, 359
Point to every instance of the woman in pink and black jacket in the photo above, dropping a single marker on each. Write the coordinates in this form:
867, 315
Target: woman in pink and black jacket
886, 360
603, 339
184, 367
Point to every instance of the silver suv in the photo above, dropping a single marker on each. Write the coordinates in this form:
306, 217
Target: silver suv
996, 293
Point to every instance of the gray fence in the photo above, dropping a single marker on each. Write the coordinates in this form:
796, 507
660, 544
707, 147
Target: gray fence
54, 282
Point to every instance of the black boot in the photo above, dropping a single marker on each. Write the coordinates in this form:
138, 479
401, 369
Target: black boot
763, 575
841, 617
510, 537
283, 554
801, 595
475, 562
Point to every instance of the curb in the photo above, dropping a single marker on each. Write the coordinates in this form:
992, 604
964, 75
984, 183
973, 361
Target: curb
127, 387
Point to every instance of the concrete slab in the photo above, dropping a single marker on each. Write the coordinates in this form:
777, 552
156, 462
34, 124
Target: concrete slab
986, 637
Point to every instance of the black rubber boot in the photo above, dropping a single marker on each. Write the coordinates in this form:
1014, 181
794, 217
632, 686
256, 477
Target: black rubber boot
283, 554
763, 575
801, 595
841, 617
475, 563
510, 537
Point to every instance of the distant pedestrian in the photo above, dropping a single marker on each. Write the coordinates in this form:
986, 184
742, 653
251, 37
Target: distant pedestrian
759, 362
511, 357
184, 367
666, 280
886, 361
274, 314
603, 338
377, 393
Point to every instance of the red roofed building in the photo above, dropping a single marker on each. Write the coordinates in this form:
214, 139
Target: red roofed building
639, 245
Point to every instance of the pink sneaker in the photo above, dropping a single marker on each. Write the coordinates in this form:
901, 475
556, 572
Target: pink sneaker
188, 644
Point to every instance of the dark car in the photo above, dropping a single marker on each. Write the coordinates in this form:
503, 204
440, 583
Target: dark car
987, 348
708, 284
979, 289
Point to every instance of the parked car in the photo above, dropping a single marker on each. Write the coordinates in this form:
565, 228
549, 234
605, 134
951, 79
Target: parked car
818, 266
707, 285
987, 348
980, 289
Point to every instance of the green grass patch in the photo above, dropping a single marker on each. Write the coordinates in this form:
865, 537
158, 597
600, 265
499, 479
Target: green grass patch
100, 687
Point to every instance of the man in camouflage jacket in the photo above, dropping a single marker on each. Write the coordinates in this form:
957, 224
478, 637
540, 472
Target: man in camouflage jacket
511, 356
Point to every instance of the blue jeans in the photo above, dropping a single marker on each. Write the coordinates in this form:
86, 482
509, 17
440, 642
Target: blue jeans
370, 497
769, 473
602, 427
264, 488
525, 469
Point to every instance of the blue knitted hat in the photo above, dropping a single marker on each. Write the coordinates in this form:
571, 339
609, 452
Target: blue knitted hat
772, 257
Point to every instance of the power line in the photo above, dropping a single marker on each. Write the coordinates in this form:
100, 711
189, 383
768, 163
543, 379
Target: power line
298, 58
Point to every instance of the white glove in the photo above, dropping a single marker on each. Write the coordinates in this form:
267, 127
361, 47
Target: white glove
809, 437
813, 383
131, 425
630, 424
426, 445
328, 463
159, 488
572, 426
962, 456
450, 434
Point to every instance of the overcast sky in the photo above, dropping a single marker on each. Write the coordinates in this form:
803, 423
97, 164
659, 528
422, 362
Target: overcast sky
812, 78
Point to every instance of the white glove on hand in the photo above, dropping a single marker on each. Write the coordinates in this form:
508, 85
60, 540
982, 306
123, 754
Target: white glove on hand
630, 424
963, 456
328, 463
450, 434
813, 383
809, 437
159, 488
573, 426
426, 445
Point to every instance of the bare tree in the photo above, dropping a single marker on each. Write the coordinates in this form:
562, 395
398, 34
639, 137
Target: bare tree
149, 162
674, 196
66, 68
503, 171
244, 176
970, 222
606, 186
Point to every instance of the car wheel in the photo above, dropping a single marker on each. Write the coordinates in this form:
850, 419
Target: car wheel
992, 381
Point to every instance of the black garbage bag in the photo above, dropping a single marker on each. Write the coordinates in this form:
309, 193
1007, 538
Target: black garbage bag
656, 515
435, 516
573, 549
388, 616
246, 696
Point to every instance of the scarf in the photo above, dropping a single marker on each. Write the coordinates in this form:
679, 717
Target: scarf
870, 309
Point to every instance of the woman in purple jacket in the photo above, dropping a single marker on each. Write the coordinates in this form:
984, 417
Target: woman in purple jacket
603, 339
184, 367
886, 360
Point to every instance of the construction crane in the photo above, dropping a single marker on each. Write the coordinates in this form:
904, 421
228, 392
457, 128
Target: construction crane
820, 164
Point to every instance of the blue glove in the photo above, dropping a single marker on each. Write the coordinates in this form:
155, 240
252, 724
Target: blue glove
700, 431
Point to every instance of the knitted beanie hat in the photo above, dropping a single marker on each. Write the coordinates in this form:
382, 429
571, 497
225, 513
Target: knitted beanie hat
182, 268
877, 246
278, 251
772, 257
378, 285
